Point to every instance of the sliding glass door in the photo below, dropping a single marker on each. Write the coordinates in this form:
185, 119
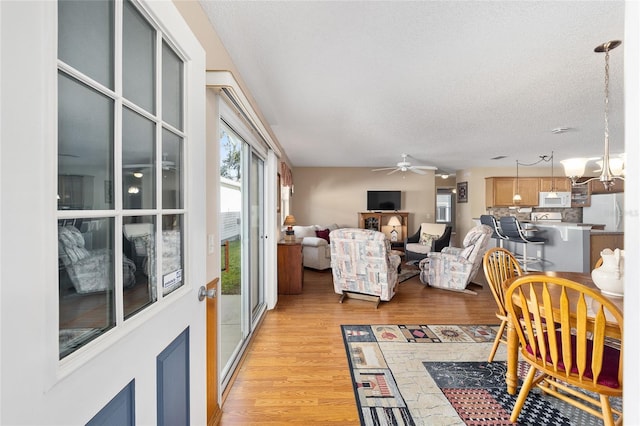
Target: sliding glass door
256, 236
242, 245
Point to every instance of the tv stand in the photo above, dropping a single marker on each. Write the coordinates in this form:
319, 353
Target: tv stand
378, 222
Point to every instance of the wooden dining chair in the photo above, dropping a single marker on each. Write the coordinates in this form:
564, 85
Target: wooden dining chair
582, 353
499, 264
598, 263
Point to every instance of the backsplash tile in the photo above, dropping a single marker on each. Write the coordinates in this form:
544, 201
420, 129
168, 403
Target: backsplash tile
573, 215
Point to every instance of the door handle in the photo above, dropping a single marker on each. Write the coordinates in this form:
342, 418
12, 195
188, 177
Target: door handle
204, 293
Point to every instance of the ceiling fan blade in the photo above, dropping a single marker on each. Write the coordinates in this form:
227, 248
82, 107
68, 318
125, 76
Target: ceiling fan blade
384, 168
418, 171
137, 166
424, 167
393, 171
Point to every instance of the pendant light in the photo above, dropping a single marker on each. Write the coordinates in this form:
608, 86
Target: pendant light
517, 197
553, 193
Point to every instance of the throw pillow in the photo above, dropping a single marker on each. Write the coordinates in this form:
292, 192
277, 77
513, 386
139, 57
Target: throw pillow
324, 234
304, 231
427, 239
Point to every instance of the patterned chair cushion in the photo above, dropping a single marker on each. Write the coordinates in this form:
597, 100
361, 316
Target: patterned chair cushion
454, 267
361, 262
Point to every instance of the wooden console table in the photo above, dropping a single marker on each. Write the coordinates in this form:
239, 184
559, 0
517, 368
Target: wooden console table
378, 222
290, 269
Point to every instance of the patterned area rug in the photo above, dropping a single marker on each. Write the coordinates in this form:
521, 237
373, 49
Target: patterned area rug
438, 375
406, 273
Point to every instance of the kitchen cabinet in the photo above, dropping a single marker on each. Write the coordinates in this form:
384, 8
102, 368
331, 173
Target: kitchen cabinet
601, 240
581, 196
499, 191
560, 184
598, 188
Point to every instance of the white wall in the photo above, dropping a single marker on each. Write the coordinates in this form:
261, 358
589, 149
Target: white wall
326, 195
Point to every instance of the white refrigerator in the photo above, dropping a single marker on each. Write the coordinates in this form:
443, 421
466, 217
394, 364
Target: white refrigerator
607, 209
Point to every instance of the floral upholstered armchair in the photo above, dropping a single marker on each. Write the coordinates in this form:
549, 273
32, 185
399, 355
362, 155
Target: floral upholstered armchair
453, 268
362, 264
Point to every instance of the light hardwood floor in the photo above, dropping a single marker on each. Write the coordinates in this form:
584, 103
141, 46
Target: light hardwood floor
296, 370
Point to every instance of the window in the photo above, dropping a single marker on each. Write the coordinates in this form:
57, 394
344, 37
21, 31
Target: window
120, 167
445, 206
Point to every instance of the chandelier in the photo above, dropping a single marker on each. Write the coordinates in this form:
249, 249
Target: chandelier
612, 169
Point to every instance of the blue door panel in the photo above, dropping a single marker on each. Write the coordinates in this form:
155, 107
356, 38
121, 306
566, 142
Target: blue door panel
173, 382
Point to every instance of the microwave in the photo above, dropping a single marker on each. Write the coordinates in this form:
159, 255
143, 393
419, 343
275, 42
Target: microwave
563, 200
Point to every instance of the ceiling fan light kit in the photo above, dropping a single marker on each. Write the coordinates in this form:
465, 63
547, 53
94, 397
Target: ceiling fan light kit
405, 166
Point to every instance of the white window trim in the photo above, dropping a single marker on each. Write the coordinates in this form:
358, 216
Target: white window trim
193, 211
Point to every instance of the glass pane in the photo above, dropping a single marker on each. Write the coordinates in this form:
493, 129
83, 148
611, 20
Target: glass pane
256, 231
85, 37
231, 213
138, 59
172, 253
85, 280
85, 147
138, 277
138, 164
171, 87
171, 170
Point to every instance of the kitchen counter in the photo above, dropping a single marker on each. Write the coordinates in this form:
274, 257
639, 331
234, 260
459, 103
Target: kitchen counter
567, 247
604, 231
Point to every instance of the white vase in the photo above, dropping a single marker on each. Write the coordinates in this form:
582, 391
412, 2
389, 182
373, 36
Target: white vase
609, 277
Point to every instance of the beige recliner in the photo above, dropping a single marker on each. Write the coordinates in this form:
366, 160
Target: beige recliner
362, 264
455, 267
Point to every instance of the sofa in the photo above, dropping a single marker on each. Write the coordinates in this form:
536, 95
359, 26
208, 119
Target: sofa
316, 252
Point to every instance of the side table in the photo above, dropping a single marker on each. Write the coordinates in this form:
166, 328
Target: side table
290, 269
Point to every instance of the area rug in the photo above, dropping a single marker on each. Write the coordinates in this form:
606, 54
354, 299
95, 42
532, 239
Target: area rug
438, 375
406, 273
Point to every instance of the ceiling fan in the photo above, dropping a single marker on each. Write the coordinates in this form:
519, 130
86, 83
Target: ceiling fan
166, 164
404, 166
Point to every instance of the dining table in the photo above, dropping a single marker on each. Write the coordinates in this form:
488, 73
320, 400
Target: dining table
512, 336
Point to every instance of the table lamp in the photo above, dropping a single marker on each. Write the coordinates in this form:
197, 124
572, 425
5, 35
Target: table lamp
289, 221
394, 221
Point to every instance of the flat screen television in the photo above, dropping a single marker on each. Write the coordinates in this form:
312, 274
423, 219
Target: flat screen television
383, 200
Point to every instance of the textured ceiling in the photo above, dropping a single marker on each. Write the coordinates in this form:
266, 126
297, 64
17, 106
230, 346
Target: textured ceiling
451, 83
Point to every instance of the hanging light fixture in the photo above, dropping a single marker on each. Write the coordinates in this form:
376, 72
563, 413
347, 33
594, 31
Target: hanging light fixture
546, 158
553, 193
574, 167
517, 196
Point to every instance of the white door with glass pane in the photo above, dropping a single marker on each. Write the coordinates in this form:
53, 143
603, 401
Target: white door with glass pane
104, 254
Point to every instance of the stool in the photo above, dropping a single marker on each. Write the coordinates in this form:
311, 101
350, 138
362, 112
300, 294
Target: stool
512, 229
490, 221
